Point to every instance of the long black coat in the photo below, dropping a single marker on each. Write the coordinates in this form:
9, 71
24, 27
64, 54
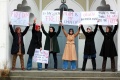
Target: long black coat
36, 41
54, 40
15, 44
108, 47
89, 47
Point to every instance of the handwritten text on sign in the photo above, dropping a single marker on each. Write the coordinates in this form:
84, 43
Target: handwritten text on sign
51, 17
107, 17
20, 18
89, 17
41, 56
71, 18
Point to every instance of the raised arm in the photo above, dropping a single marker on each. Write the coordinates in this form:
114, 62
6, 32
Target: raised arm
101, 29
115, 29
65, 33
59, 29
83, 30
43, 30
11, 29
77, 32
25, 31
58, 32
96, 27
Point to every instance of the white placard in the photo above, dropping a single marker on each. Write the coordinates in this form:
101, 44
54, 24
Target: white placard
50, 17
89, 17
20, 18
108, 17
41, 56
71, 18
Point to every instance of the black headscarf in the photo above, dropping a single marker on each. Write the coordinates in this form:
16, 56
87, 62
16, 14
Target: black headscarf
51, 34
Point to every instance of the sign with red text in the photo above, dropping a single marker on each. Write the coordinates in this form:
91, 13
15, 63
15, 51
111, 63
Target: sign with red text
108, 17
20, 18
41, 56
71, 18
89, 17
50, 17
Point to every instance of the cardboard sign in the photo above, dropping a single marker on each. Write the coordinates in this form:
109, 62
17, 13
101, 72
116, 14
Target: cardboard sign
41, 56
89, 17
20, 18
51, 17
71, 18
108, 17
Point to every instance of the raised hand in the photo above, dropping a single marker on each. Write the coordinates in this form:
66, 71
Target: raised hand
35, 20
60, 24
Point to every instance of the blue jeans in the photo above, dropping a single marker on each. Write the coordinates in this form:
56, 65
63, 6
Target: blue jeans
29, 64
65, 64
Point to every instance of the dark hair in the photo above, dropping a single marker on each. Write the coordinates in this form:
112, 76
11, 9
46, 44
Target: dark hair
110, 28
52, 28
70, 30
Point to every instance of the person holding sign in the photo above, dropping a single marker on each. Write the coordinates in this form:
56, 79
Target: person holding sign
51, 43
89, 49
36, 43
108, 47
18, 45
70, 51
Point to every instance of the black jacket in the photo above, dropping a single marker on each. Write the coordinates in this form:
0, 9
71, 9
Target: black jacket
35, 41
89, 47
54, 39
108, 47
15, 44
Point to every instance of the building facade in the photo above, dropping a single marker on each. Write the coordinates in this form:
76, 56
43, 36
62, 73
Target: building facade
35, 8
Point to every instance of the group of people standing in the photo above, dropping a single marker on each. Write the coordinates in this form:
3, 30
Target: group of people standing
51, 43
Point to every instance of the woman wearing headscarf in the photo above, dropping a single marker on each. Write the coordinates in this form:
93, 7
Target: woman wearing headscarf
69, 54
51, 43
89, 48
18, 48
36, 43
108, 49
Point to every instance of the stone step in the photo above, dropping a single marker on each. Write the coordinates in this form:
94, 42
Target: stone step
64, 74
59, 78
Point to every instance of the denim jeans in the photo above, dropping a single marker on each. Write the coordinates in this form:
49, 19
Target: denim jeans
29, 64
65, 64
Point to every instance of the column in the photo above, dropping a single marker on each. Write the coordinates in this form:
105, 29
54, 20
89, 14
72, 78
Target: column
118, 37
3, 33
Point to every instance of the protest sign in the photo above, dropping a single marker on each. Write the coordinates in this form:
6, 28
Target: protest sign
89, 17
50, 17
20, 18
41, 56
71, 18
107, 17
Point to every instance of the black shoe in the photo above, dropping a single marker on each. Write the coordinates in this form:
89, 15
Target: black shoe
83, 69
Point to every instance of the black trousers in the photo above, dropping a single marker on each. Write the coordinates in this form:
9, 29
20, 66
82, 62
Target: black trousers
93, 63
112, 63
55, 61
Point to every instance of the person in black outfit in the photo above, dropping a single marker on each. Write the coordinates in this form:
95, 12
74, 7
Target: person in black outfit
36, 43
51, 43
108, 47
89, 49
18, 48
